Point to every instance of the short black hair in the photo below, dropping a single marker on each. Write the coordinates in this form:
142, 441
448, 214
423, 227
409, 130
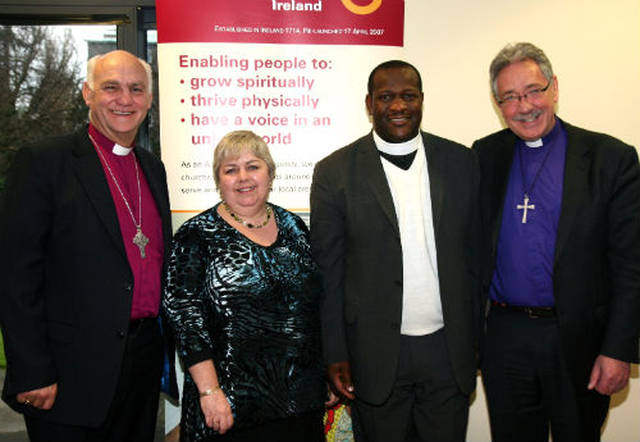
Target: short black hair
392, 64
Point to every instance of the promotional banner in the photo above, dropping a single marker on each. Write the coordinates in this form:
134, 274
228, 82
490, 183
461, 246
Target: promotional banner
294, 72
348, 22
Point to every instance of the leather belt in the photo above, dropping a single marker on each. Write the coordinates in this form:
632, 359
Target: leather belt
532, 312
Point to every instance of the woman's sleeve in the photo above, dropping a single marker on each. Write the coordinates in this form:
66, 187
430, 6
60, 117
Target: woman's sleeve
185, 297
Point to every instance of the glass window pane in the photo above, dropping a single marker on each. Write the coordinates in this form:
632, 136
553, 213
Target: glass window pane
41, 73
153, 119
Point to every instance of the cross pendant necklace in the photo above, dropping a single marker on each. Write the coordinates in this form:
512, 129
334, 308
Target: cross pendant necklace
139, 239
525, 206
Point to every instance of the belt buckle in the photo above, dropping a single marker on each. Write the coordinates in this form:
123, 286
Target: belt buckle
531, 313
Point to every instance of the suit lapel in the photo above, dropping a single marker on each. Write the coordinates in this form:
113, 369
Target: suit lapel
155, 183
577, 165
436, 166
503, 162
369, 163
88, 169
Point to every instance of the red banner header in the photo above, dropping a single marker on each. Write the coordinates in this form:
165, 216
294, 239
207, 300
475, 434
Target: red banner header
327, 22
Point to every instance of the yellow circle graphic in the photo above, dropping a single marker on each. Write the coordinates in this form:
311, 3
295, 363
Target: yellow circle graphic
362, 10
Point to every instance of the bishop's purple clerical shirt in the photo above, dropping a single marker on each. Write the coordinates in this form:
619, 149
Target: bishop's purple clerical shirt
523, 273
147, 272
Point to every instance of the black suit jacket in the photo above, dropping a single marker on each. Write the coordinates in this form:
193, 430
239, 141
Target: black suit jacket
65, 281
356, 242
596, 272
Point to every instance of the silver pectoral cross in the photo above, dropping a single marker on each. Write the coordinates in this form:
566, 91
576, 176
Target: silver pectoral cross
525, 207
141, 241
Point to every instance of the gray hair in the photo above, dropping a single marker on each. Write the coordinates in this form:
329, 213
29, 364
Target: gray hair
514, 53
91, 66
238, 142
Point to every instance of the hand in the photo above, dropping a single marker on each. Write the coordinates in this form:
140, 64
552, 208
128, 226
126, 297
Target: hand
332, 399
217, 411
339, 375
609, 375
42, 398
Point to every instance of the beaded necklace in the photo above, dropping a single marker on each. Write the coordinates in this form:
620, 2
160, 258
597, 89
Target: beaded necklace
243, 222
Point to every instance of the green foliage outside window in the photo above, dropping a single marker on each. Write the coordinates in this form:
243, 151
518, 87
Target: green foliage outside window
3, 361
40, 86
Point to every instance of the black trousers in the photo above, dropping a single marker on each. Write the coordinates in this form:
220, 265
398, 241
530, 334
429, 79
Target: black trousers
426, 403
133, 414
528, 387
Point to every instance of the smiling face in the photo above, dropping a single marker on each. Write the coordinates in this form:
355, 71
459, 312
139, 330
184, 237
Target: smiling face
395, 104
533, 117
244, 182
120, 98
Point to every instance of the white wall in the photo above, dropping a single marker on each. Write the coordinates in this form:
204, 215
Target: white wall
594, 47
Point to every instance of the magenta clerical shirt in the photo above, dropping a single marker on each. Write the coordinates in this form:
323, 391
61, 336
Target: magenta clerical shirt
146, 271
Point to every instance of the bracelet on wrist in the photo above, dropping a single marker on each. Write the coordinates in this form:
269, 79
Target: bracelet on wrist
210, 391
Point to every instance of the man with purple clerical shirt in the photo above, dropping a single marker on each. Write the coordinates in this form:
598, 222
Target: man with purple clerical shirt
84, 228
561, 229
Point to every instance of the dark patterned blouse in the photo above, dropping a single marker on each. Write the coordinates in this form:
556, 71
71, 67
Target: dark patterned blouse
253, 310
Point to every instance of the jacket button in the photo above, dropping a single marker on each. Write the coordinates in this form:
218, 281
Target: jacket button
119, 334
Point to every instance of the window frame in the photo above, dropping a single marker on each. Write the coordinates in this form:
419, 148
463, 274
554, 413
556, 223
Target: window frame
132, 19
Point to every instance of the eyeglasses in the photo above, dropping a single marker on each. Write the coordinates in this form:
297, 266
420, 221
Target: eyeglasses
529, 96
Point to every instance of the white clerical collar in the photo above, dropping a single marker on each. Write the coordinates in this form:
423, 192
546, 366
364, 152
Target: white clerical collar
121, 150
535, 144
404, 148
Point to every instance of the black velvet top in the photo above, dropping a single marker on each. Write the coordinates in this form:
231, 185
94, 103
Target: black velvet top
253, 310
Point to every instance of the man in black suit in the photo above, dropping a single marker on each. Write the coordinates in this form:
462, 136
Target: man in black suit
395, 231
561, 221
85, 222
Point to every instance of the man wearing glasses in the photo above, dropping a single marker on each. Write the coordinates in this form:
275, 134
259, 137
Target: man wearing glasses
561, 229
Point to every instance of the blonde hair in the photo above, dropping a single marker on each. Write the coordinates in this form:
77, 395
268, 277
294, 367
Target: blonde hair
238, 142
